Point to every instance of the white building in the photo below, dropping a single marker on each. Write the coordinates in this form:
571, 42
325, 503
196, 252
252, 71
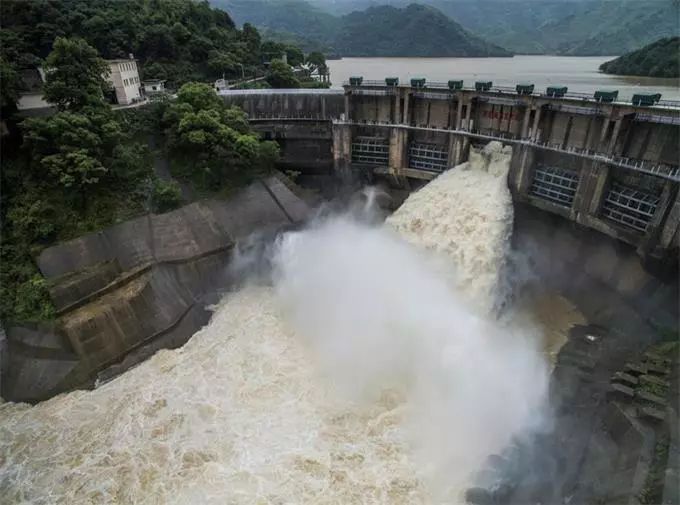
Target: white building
221, 85
124, 77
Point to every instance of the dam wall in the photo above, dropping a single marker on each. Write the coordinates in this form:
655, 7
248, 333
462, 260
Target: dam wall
611, 167
298, 120
287, 103
133, 288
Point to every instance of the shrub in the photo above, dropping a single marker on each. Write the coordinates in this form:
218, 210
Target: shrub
166, 196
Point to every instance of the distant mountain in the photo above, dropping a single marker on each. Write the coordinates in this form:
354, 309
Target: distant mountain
605, 27
659, 59
415, 30
568, 27
295, 17
514, 24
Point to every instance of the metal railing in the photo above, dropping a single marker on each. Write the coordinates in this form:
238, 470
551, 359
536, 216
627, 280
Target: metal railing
662, 170
554, 184
506, 90
427, 157
290, 117
281, 91
371, 150
629, 206
653, 118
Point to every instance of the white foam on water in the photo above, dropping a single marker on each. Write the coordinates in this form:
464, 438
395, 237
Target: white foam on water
467, 214
369, 373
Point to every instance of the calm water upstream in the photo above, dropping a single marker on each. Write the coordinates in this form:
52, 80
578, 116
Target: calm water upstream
579, 74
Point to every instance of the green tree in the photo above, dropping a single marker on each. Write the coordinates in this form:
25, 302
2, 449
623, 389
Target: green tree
198, 96
252, 40
221, 63
72, 148
9, 88
317, 61
280, 75
76, 75
213, 143
316, 58
267, 156
294, 56
180, 32
166, 196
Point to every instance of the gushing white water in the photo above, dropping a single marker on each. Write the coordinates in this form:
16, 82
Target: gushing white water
466, 214
362, 376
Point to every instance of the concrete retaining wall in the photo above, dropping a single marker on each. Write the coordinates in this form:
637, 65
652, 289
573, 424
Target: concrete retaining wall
139, 284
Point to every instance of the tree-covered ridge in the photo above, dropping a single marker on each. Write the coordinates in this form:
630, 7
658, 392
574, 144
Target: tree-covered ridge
177, 40
567, 27
607, 27
86, 166
414, 30
659, 59
294, 17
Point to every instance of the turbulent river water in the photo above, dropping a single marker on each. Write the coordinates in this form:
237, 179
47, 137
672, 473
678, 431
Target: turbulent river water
381, 364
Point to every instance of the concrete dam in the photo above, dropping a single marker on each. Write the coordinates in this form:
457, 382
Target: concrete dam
611, 167
541, 266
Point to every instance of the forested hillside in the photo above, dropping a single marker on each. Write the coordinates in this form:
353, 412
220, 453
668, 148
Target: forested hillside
178, 40
294, 17
569, 27
85, 166
659, 59
413, 30
611, 27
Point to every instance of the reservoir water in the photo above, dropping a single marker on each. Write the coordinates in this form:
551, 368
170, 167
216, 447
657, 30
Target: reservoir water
579, 74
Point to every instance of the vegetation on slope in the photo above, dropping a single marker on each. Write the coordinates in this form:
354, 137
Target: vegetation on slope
63, 175
290, 18
178, 40
515, 25
659, 59
570, 27
414, 30
212, 145
87, 166
579, 28
610, 27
